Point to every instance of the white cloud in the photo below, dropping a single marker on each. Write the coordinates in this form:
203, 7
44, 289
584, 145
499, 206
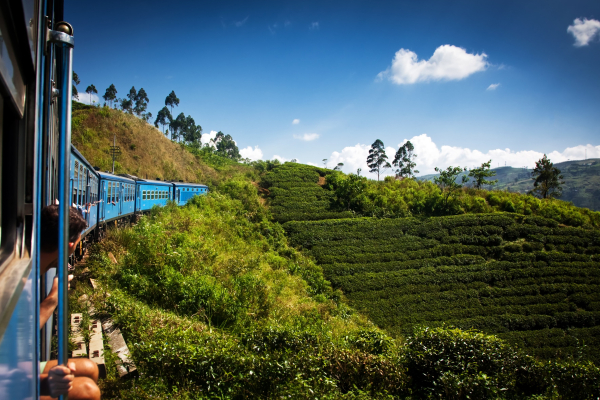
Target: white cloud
493, 86
313, 164
85, 99
584, 31
430, 155
314, 26
307, 136
252, 153
241, 23
447, 63
206, 138
296, 121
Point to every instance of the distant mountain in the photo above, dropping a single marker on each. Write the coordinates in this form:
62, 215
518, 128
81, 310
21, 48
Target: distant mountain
582, 181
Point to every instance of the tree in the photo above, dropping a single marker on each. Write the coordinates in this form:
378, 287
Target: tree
324, 163
190, 132
404, 160
377, 159
75, 83
172, 100
110, 95
128, 103
91, 89
338, 167
358, 171
347, 189
479, 174
547, 179
226, 146
175, 126
141, 102
447, 182
164, 117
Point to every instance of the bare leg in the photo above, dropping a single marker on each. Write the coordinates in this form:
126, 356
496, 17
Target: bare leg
84, 368
83, 389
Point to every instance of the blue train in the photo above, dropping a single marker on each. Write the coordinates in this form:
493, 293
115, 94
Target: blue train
104, 197
38, 166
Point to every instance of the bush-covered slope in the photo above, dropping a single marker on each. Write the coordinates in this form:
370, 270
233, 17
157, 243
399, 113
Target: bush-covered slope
215, 306
525, 278
296, 195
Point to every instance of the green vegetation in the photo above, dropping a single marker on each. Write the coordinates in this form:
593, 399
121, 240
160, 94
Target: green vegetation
213, 305
295, 193
525, 278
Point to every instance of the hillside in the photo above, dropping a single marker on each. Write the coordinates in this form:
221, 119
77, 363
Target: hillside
582, 181
145, 151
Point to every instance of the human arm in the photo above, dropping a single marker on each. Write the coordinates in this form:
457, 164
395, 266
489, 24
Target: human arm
48, 305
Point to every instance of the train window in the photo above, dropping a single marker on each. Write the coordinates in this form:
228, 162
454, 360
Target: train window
109, 196
81, 184
143, 195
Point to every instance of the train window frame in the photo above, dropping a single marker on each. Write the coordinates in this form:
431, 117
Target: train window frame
143, 195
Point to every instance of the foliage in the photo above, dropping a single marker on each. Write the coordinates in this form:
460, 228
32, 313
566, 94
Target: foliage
226, 146
171, 100
90, 90
404, 160
163, 117
447, 182
512, 275
377, 159
547, 179
481, 173
76, 82
141, 103
110, 95
348, 190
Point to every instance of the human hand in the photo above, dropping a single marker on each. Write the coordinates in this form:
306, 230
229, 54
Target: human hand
60, 379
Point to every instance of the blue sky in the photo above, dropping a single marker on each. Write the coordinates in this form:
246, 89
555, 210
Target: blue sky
351, 72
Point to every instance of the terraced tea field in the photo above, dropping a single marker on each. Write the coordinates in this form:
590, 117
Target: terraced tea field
527, 279
296, 195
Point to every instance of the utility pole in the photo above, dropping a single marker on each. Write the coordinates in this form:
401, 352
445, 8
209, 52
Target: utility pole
114, 151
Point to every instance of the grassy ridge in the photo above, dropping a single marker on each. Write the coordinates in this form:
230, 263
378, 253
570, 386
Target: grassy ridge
525, 278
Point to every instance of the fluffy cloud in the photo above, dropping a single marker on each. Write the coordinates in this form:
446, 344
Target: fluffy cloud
207, 137
281, 159
296, 121
85, 99
252, 153
430, 155
307, 136
447, 63
584, 31
493, 86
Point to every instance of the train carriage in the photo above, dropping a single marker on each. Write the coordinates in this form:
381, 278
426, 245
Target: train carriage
150, 193
84, 189
117, 197
185, 191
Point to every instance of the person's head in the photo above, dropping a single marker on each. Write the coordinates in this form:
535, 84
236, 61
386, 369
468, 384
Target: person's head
49, 229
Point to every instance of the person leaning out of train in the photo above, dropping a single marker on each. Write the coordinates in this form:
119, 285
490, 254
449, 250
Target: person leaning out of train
80, 378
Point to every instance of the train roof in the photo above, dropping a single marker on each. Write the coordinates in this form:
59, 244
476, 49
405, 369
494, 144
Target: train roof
82, 158
153, 182
108, 175
189, 184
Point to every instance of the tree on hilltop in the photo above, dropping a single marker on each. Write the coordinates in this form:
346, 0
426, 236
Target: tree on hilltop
226, 146
338, 167
481, 173
547, 179
141, 103
191, 132
404, 160
377, 159
91, 89
172, 100
110, 95
128, 103
348, 190
447, 182
76, 82
176, 126
163, 118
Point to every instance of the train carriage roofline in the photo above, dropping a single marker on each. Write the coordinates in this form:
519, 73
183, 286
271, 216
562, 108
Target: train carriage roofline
112, 177
85, 161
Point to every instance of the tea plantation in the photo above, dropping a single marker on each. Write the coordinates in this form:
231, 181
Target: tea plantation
527, 279
296, 195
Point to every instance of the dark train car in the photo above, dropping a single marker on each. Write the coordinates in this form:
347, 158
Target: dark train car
150, 193
117, 199
185, 191
84, 189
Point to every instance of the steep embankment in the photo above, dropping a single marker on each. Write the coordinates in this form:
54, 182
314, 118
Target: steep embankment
145, 151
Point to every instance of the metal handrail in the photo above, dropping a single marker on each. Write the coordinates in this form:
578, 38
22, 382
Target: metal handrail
62, 38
